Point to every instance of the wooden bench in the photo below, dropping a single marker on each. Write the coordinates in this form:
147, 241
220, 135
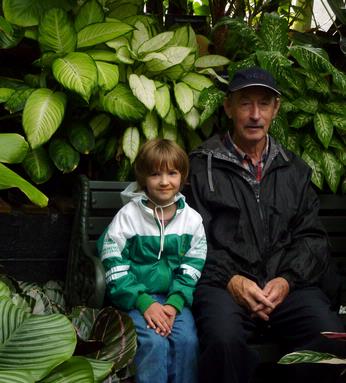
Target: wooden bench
96, 204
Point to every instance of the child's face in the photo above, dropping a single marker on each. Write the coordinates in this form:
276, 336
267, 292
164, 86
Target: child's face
163, 185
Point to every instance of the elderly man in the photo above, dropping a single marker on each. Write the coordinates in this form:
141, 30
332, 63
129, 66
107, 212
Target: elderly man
267, 250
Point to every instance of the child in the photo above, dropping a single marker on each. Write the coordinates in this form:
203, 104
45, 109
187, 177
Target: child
153, 254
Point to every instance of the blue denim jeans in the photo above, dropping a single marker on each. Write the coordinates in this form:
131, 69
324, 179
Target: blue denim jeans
170, 359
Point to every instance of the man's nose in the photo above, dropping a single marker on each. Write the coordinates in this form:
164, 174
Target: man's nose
255, 111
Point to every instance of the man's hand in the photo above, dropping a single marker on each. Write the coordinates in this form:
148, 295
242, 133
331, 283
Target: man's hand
248, 294
276, 290
158, 319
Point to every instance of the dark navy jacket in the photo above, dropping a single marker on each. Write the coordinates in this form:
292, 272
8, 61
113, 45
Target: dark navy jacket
260, 231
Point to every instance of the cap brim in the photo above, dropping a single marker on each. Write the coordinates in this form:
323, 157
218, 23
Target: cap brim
233, 89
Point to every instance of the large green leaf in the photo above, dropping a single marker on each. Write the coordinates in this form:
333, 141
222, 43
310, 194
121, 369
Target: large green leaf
162, 100
56, 32
100, 124
122, 103
209, 61
312, 148
197, 81
26, 13
274, 33
64, 156
192, 118
168, 57
90, 12
324, 128
156, 43
38, 165
16, 102
183, 96
10, 376
81, 137
312, 59
169, 132
300, 120
307, 356
279, 128
101, 32
131, 143
306, 104
9, 179
317, 171
108, 75
76, 71
144, 89
139, 35
43, 113
13, 148
209, 101
101, 369
150, 125
33, 343
74, 370
10, 35
332, 170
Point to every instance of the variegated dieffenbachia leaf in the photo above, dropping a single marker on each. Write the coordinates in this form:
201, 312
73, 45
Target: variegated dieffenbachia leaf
56, 32
308, 105
162, 100
332, 170
317, 171
131, 143
144, 89
98, 33
90, 12
324, 128
211, 61
274, 33
279, 128
76, 71
183, 96
300, 120
108, 75
307, 356
312, 148
150, 125
122, 103
155, 43
42, 116
209, 101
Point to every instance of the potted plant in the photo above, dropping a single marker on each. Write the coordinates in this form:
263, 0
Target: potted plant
43, 342
100, 85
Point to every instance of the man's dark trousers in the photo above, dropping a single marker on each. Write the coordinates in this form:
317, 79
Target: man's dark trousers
224, 328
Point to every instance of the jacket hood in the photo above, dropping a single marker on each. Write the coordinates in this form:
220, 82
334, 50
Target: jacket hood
135, 193
214, 148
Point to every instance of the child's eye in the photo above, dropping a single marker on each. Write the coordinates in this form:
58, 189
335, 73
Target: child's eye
173, 172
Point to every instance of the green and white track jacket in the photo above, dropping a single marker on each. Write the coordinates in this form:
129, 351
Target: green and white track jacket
134, 265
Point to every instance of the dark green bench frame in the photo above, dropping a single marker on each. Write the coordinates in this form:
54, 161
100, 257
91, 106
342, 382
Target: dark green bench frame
96, 204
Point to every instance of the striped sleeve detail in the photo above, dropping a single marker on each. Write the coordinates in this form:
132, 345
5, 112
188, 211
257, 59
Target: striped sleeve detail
110, 249
191, 271
116, 272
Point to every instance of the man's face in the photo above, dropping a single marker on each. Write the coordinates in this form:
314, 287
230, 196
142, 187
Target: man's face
252, 110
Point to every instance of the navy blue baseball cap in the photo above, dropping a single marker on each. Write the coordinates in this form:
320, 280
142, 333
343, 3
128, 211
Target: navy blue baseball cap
253, 76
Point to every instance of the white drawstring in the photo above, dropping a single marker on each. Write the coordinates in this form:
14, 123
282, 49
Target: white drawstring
161, 223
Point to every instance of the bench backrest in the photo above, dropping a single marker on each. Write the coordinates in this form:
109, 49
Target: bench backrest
97, 203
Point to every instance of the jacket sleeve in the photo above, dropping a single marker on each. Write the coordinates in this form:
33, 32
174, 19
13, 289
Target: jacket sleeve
220, 265
123, 289
307, 257
189, 271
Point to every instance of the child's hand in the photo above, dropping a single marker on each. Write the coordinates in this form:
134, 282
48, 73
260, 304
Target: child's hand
171, 312
157, 319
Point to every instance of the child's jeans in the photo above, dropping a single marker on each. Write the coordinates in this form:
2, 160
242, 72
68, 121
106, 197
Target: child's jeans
170, 359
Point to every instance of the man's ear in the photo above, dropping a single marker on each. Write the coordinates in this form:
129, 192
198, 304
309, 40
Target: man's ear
276, 106
227, 107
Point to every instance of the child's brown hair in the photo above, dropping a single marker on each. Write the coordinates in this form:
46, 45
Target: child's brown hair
160, 154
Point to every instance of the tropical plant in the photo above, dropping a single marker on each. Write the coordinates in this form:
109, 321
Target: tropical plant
312, 118
308, 356
106, 78
40, 342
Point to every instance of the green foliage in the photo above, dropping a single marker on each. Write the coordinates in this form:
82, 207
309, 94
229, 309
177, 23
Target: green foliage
313, 94
42, 343
109, 66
